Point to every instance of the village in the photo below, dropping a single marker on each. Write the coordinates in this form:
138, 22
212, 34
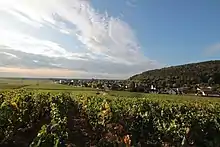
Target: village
125, 85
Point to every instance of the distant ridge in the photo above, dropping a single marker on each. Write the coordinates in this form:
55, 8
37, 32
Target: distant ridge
207, 73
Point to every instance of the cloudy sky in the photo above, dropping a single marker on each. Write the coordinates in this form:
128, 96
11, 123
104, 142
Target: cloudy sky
105, 38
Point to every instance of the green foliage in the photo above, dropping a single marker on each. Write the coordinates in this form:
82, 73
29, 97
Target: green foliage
55, 133
184, 75
113, 120
131, 86
155, 121
19, 110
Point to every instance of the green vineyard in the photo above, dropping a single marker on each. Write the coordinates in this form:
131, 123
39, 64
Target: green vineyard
65, 119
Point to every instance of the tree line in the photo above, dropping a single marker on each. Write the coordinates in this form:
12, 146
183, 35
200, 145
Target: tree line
203, 73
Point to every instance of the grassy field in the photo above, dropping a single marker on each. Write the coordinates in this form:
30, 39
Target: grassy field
32, 84
7, 84
50, 86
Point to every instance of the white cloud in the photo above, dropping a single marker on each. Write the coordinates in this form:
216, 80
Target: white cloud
131, 3
28, 44
24, 19
106, 42
55, 73
35, 61
213, 49
9, 54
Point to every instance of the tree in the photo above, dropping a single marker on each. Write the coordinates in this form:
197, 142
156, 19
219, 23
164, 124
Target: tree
131, 86
115, 86
210, 81
140, 88
216, 78
190, 74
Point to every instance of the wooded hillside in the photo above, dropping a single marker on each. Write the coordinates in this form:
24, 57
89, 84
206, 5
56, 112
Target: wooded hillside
207, 73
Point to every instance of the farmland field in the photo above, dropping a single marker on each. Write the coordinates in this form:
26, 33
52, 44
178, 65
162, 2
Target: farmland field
42, 113
34, 84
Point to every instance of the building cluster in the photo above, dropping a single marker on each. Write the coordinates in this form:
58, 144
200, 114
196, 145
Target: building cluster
207, 91
95, 83
125, 85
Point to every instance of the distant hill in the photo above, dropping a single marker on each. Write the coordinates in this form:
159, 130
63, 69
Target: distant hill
207, 73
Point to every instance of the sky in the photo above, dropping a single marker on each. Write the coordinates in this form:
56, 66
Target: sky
112, 39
